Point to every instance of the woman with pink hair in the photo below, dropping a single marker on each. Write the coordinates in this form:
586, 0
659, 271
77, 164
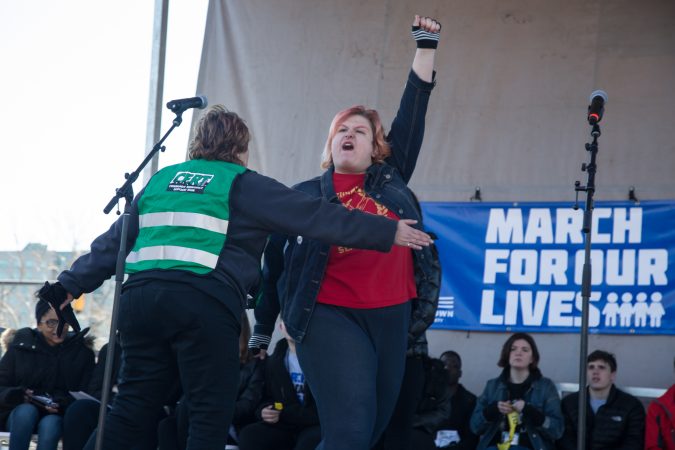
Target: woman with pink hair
349, 310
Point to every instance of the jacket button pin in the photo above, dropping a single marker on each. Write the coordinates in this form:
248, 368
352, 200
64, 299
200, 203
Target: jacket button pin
299, 240
387, 176
400, 211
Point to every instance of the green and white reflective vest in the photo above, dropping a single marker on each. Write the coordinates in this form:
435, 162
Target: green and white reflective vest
183, 217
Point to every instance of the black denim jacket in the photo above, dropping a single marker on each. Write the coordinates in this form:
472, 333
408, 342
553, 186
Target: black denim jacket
294, 265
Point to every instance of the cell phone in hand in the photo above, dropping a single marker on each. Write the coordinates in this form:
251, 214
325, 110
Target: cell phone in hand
44, 401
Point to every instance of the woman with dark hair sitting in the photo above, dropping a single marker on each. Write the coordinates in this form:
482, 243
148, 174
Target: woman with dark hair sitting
520, 409
36, 373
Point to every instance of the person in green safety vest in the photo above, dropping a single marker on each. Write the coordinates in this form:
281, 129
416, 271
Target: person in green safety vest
196, 236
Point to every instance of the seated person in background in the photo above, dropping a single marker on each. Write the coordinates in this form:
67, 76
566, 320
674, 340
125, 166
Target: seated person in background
615, 420
442, 418
520, 409
81, 419
173, 431
660, 425
289, 419
39, 364
434, 408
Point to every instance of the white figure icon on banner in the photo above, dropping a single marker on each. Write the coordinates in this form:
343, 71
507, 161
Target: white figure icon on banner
630, 314
656, 310
611, 310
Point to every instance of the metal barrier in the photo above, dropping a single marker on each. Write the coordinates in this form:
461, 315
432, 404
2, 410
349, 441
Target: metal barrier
640, 392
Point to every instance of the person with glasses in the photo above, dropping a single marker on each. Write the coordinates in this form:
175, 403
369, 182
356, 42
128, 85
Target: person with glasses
37, 370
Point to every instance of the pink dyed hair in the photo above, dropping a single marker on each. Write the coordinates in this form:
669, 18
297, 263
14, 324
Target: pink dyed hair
381, 148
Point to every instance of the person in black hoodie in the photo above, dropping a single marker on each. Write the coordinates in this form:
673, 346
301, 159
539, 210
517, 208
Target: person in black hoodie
37, 370
442, 418
288, 416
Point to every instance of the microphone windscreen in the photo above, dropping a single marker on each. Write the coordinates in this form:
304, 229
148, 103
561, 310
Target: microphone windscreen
598, 93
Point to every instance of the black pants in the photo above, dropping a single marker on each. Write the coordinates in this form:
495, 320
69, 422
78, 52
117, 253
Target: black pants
81, 420
173, 431
421, 440
353, 360
169, 330
263, 436
398, 434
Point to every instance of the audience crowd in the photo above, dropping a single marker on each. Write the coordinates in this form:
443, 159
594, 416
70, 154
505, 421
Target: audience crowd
518, 409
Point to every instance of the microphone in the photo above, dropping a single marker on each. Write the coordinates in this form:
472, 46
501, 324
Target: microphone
180, 105
597, 107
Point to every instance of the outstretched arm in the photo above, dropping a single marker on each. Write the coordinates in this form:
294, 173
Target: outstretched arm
407, 129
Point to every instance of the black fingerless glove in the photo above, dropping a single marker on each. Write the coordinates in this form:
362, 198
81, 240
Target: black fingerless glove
534, 415
425, 39
491, 412
56, 294
258, 342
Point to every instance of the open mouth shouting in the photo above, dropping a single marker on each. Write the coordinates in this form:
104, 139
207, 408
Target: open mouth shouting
348, 145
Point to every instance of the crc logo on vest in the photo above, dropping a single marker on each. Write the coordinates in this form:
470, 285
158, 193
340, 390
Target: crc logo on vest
189, 182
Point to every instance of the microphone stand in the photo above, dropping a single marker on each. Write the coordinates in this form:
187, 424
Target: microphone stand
590, 168
124, 192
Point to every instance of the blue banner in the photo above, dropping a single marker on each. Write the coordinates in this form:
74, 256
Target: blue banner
518, 266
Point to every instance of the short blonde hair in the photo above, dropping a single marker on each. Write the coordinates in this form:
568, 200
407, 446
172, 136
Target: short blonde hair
381, 149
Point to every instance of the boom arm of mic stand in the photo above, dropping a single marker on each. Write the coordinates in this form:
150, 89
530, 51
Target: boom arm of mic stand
126, 192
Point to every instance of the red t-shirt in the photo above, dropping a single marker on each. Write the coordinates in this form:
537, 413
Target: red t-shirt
366, 278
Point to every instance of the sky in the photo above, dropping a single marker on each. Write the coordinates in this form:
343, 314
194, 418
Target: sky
74, 79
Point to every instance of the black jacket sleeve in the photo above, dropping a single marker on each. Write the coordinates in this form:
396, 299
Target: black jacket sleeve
272, 206
424, 306
267, 310
250, 393
95, 386
431, 420
534, 415
633, 437
89, 271
568, 441
303, 415
491, 412
407, 129
11, 394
